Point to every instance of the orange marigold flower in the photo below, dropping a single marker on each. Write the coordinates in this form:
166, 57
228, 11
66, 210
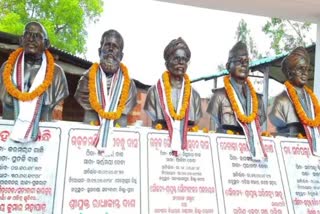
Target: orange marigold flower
194, 128
205, 130
230, 132
158, 126
266, 134
301, 136
94, 122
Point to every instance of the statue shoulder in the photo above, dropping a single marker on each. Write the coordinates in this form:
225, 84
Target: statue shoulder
195, 93
58, 70
259, 95
282, 98
59, 73
2, 66
219, 91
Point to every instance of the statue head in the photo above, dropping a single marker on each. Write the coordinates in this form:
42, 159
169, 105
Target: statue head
238, 61
296, 65
177, 55
110, 51
35, 39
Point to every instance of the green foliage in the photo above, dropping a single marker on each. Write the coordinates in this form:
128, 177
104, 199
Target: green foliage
65, 20
243, 34
286, 34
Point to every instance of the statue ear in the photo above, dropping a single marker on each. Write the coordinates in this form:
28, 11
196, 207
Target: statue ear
121, 56
290, 75
228, 65
46, 43
20, 41
99, 51
166, 63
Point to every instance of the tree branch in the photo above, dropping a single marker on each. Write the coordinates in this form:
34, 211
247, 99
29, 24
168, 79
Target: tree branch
58, 29
296, 30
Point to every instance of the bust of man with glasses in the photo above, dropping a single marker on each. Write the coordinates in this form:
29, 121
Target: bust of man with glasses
31, 69
174, 83
284, 114
223, 117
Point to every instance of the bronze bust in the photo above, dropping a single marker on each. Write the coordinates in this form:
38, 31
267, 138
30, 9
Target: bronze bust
111, 54
31, 84
219, 107
172, 102
35, 42
177, 55
237, 107
283, 114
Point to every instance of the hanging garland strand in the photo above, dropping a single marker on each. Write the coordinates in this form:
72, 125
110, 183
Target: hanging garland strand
230, 93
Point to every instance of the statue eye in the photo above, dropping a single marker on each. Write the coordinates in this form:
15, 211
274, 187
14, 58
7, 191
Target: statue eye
34, 35
178, 59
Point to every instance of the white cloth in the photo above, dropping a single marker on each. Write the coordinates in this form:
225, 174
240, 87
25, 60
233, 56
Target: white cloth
108, 98
27, 109
176, 144
259, 154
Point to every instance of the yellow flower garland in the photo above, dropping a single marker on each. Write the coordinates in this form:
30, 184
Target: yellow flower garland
242, 117
186, 97
94, 99
299, 109
27, 96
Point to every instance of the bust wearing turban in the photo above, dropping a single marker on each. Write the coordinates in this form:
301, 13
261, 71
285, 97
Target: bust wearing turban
283, 114
177, 56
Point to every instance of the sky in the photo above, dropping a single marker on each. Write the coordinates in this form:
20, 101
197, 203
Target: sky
147, 26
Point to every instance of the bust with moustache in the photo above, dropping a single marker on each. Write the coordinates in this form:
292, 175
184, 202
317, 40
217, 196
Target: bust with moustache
111, 54
296, 68
219, 107
177, 56
35, 42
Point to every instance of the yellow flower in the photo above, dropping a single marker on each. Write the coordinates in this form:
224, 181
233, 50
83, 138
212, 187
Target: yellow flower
205, 130
186, 96
158, 126
94, 99
242, 117
14, 91
301, 136
230, 132
299, 109
194, 128
94, 122
266, 134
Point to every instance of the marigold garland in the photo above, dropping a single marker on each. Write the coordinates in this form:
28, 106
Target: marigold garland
242, 117
94, 99
299, 109
186, 97
13, 90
